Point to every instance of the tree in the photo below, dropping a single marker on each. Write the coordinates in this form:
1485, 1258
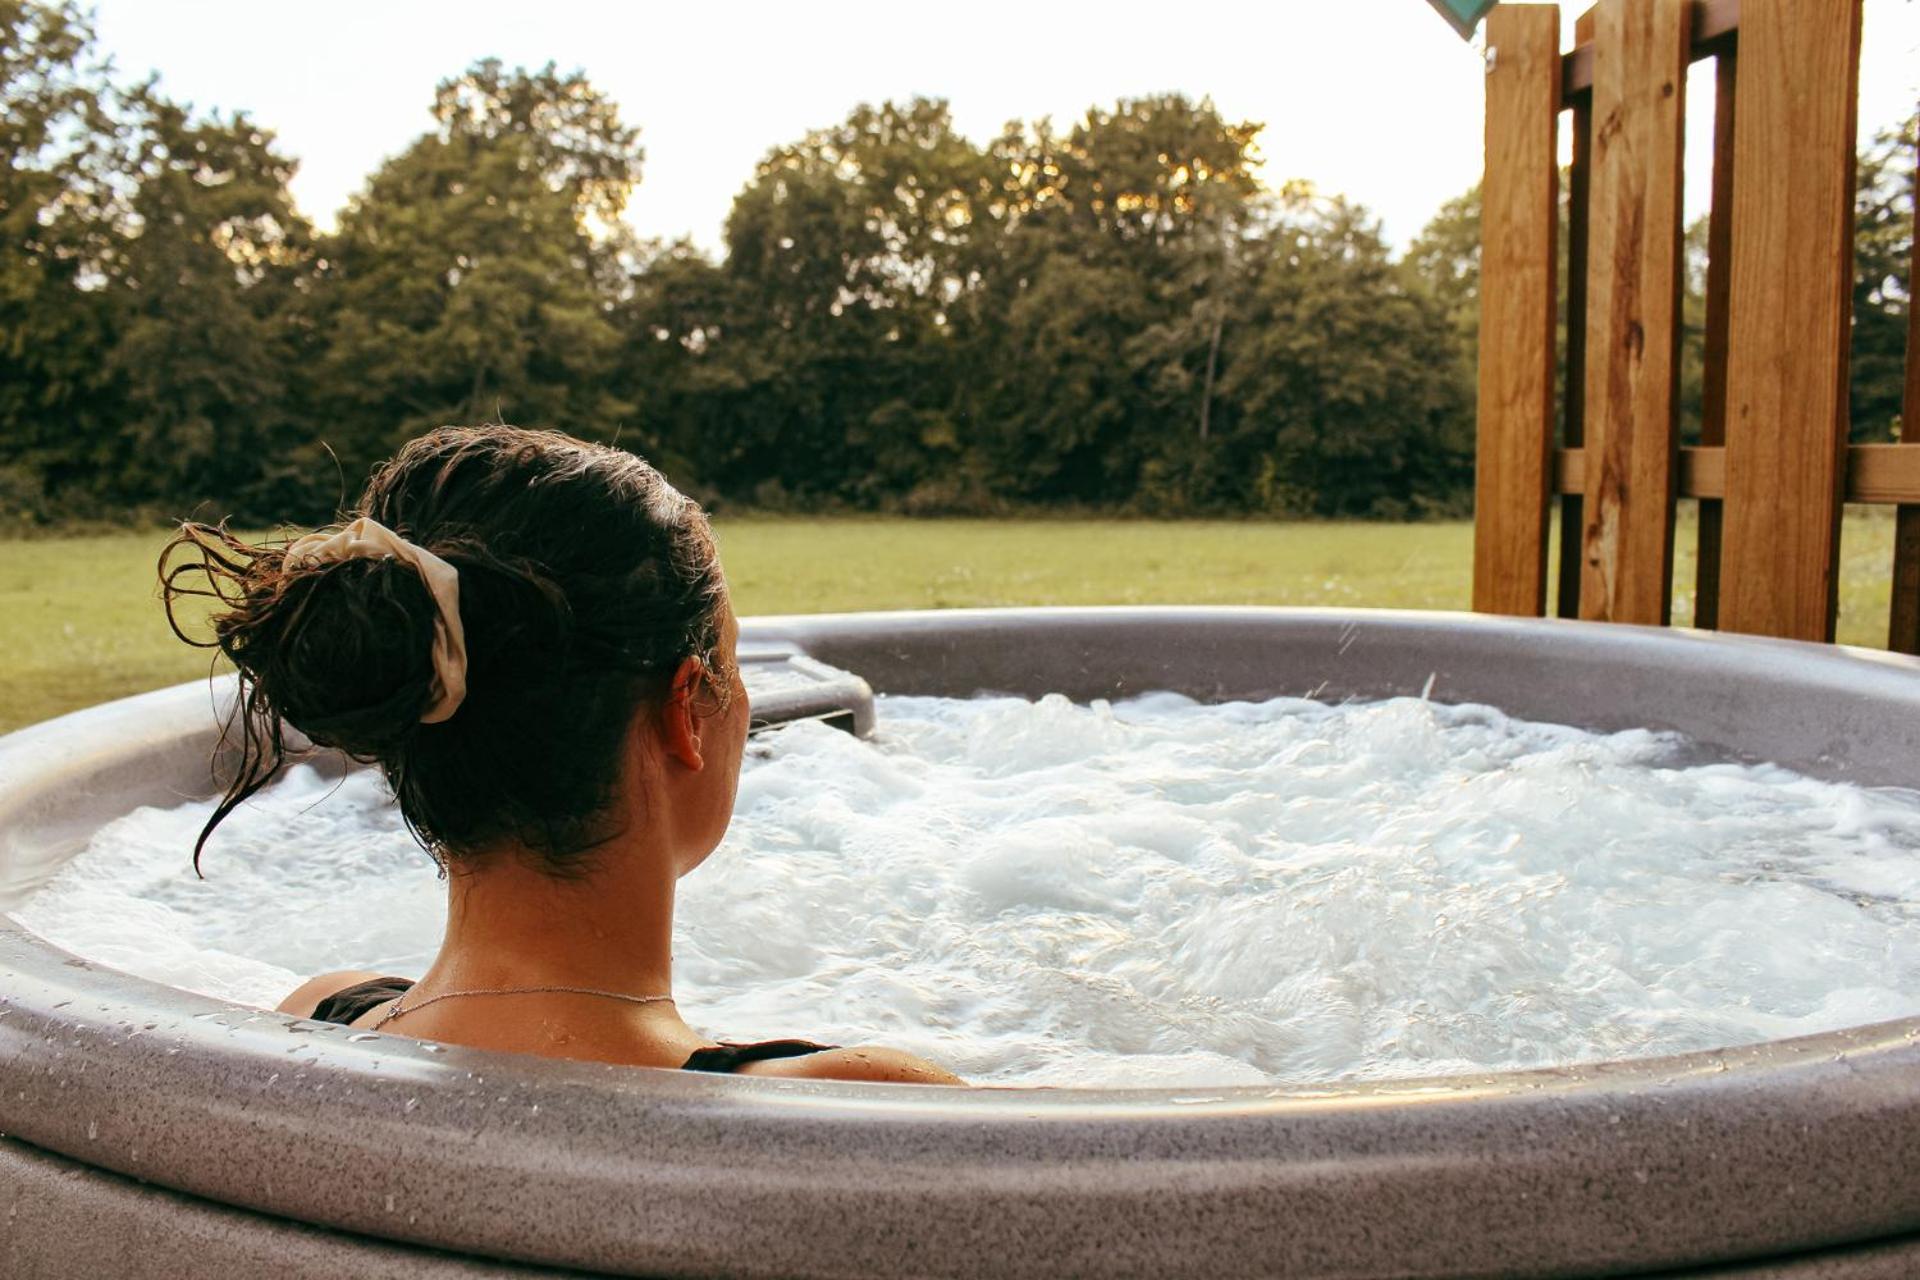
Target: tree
1882, 292
59, 156
572, 133
672, 322
468, 282
1693, 331
851, 258
1343, 374
1112, 293
204, 350
146, 264
1445, 257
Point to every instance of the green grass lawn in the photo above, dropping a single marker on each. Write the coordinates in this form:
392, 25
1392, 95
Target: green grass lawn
80, 623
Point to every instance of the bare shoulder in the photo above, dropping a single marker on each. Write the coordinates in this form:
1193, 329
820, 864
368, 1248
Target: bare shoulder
862, 1062
311, 992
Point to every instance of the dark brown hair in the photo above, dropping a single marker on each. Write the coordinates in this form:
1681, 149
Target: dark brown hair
585, 580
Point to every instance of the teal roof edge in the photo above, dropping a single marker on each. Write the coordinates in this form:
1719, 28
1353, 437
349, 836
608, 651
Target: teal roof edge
1463, 15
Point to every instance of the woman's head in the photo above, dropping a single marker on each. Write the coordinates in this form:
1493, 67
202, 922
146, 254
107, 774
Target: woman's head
589, 589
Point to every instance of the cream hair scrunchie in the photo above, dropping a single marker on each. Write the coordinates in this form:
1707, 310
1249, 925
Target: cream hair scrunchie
367, 539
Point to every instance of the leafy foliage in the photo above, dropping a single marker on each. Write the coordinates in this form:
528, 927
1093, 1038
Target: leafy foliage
1883, 289
1112, 314
59, 150
464, 283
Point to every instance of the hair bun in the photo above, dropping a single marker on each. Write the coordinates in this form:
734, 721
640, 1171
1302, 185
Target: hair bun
344, 652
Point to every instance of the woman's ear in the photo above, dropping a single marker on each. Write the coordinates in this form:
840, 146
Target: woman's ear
680, 720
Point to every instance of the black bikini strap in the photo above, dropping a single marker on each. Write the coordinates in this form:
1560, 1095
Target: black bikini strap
347, 1005
731, 1057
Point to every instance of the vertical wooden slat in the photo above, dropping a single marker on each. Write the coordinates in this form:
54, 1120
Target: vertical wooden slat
1518, 226
1713, 397
1903, 619
1788, 314
1574, 400
1641, 52
1903, 622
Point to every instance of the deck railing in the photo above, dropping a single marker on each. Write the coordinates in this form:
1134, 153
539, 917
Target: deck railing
1773, 467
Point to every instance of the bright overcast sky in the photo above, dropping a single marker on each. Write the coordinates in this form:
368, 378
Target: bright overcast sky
1374, 98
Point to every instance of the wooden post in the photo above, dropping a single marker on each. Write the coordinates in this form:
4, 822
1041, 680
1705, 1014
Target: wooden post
1713, 396
1517, 264
1641, 51
1903, 621
1789, 307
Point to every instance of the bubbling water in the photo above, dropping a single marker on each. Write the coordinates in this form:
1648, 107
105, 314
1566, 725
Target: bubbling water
1154, 892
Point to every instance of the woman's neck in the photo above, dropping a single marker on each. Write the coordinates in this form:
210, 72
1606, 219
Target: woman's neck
510, 924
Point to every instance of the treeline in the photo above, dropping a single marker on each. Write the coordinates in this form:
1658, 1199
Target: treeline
1114, 316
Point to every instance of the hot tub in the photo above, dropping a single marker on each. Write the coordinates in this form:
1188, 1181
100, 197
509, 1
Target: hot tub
148, 1131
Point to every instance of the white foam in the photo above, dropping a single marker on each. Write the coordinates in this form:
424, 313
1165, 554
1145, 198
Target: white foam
1155, 892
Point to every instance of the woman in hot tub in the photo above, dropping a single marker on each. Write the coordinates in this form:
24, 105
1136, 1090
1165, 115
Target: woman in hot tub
531, 636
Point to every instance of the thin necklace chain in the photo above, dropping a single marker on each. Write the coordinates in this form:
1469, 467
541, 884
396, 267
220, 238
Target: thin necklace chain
398, 1008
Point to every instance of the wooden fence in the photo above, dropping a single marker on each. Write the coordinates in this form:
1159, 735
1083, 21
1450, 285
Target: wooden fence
1773, 466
